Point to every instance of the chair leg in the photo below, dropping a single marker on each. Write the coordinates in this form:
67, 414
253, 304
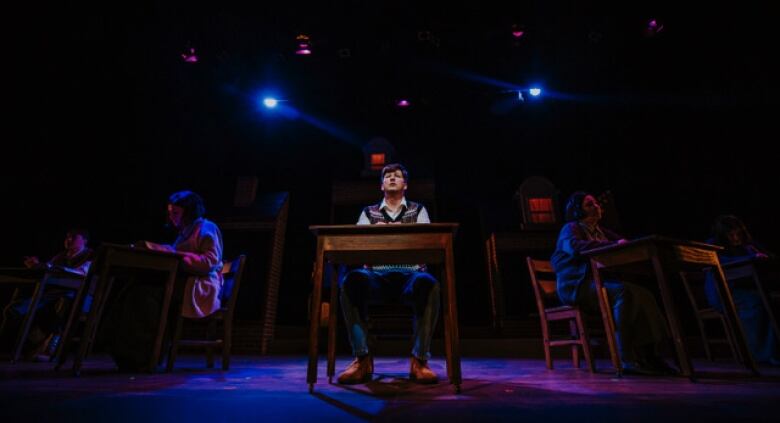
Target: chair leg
211, 332
546, 343
585, 343
7, 311
575, 352
705, 341
175, 344
730, 340
227, 342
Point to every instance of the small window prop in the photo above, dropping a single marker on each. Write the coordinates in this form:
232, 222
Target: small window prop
377, 153
537, 199
541, 210
377, 161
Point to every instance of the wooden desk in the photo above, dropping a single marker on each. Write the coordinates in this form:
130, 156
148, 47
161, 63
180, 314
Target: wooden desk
39, 278
115, 258
386, 244
667, 257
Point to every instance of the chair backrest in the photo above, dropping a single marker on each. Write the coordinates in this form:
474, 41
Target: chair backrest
543, 282
232, 272
537, 199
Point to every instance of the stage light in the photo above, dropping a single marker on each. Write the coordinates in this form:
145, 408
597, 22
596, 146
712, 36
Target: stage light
535, 92
518, 31
303, 45
270, 102
653, 28
403, 103
189, 56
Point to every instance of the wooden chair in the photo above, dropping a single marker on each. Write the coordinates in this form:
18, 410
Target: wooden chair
545, 291
233, 272
40, 281
703, 314
73, 332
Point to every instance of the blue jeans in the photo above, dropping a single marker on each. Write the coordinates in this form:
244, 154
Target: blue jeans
639, 324
755, 320
361, 287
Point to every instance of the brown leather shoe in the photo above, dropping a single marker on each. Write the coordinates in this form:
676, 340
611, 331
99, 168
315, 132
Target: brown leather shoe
421, 373
359, 371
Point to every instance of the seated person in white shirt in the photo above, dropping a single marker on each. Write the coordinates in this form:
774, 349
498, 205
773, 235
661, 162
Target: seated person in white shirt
411, 283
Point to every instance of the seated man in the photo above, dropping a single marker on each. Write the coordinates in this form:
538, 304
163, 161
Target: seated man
50, 315
639, 325
412, 283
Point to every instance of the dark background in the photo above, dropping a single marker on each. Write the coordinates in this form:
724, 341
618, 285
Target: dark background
104, 119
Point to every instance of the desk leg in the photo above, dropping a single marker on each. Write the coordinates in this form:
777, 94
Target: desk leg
21, 338
332, 321
166, 305
606, 316
730, 310
492, 271
93, 318
451, 334
311, 375
674, 322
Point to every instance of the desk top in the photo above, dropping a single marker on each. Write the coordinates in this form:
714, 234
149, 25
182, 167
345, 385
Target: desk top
131, 248
405, 228
24, 275
651, 239
37, 273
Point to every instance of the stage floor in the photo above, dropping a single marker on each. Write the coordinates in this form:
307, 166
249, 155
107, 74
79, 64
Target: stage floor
274, 389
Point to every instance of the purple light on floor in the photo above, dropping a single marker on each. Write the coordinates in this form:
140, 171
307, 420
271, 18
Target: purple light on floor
517, 34
403, 103
303, 52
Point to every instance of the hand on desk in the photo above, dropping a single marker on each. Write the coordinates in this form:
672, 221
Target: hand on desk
31, 261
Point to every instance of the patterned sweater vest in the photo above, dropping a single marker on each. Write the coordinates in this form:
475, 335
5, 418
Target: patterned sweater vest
408, 215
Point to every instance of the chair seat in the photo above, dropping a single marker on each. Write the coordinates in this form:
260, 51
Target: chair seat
560, 313
544, 292
232, 272
710, 313
199, 343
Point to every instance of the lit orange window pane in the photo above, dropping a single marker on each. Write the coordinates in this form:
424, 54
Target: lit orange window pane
540, 205
377, 160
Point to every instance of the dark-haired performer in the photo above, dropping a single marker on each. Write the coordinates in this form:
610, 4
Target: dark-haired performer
412, 283
640, 326
135, 316
44, 335
738, 245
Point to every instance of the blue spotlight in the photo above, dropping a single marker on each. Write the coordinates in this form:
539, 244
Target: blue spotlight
270, 102
535, 92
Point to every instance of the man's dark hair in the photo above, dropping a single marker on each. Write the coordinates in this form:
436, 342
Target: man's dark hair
392, 167
79, 231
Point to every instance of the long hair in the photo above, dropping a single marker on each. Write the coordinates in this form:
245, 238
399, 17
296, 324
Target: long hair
726, 223
574, 209
192, 204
